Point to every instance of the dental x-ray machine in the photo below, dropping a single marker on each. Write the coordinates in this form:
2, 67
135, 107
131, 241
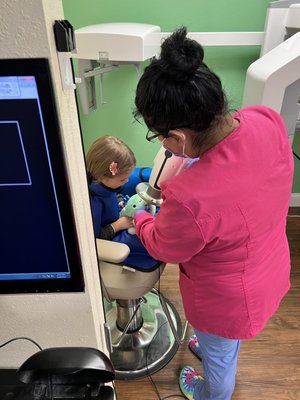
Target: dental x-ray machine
102, 48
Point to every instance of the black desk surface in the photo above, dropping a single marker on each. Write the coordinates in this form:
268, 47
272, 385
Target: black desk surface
11, 388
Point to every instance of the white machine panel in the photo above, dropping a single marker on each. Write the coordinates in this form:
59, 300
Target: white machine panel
281, 21
274, 81
118, 42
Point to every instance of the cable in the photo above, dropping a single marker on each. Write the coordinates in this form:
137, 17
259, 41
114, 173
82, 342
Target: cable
151, 379
148, 348
293, 216
296, 155
148, 372
114, 389
21, 338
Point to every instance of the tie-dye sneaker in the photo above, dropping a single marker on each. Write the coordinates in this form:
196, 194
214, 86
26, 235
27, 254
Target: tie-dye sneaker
194, 347
188, 380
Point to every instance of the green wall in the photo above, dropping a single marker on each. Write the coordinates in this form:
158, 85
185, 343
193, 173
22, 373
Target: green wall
230, 63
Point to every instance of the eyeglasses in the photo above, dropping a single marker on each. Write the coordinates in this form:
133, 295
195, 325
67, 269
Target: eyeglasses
151, 138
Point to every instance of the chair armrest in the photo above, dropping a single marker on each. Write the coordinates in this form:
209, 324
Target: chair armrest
111, 251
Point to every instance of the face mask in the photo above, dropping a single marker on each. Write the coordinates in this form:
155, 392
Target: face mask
183, 155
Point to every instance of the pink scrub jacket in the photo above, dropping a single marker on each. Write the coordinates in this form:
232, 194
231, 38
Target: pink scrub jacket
224, 221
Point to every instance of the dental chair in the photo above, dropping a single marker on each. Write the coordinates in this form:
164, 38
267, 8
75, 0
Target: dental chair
145, 327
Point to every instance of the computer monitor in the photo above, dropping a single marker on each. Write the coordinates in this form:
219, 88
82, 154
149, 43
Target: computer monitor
39, 250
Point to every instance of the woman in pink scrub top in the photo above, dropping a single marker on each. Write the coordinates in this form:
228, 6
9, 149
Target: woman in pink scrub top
223, 220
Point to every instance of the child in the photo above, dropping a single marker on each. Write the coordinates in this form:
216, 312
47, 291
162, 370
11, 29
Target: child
110, 163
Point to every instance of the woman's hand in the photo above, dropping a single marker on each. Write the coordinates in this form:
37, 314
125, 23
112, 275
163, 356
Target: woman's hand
142, 209
122, 223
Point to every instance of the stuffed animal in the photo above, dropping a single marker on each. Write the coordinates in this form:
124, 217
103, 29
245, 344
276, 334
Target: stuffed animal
134, 203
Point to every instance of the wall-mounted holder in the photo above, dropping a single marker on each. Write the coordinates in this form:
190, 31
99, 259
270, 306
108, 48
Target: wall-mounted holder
65, 45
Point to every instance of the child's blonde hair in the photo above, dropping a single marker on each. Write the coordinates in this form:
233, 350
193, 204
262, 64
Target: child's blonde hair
108, 151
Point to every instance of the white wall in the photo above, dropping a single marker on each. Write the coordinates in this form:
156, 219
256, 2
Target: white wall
74, 319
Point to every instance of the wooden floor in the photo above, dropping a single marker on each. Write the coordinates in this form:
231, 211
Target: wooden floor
268, 366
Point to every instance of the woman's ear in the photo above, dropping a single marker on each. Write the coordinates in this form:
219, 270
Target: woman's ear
178, 135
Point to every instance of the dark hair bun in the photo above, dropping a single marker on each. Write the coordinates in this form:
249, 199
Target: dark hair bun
180, 56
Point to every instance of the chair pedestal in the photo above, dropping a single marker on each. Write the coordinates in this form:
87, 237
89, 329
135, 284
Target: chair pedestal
143, 324
129, 315
148, 344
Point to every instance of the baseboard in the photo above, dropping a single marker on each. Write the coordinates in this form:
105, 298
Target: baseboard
295, 200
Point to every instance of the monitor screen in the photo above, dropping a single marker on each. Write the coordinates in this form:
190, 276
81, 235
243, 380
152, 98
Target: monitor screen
39, 250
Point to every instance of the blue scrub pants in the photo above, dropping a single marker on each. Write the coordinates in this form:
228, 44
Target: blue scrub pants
219, 362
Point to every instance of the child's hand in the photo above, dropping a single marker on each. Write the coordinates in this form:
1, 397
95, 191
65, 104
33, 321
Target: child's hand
122, 223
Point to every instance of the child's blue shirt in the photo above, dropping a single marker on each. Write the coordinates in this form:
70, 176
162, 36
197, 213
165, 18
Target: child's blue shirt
105, 210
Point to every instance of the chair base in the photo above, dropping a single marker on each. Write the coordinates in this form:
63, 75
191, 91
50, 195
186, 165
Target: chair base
150, 348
